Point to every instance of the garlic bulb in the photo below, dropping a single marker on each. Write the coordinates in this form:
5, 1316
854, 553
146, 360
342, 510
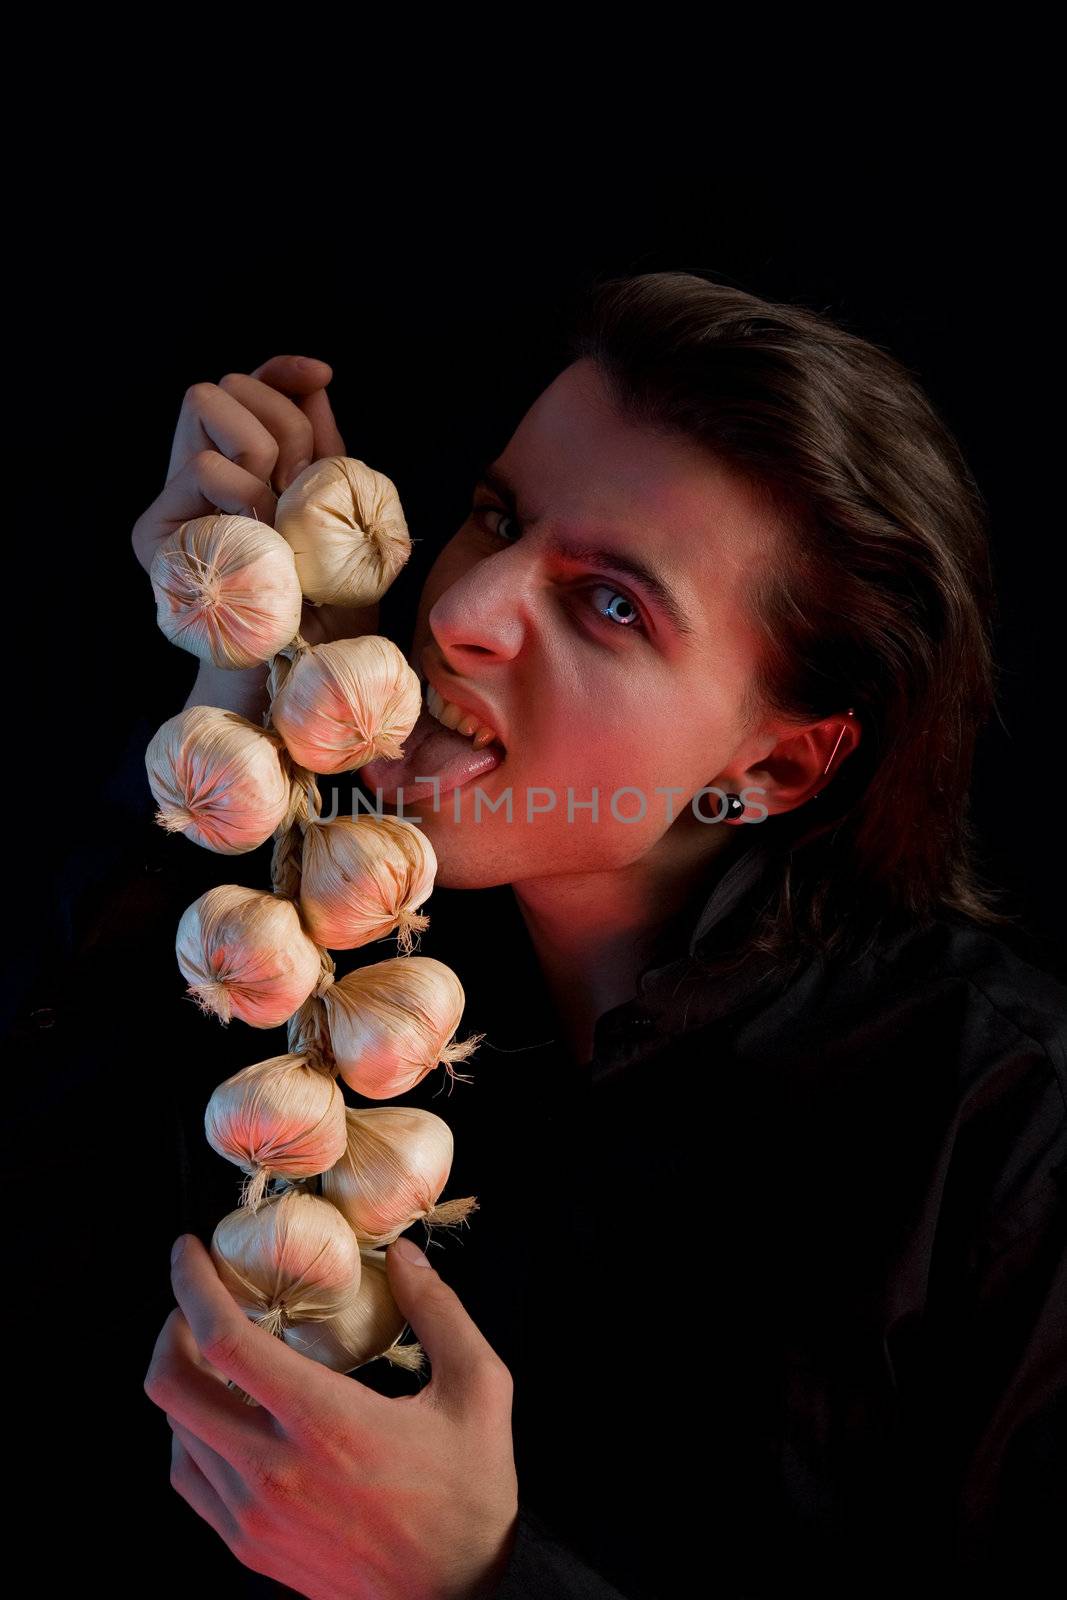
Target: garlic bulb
293, 1259
244, 954
219, 779
369, 1325
346, 528
395, 1164
279, 1118
390, 1022
347, 702
361, 877
226, 589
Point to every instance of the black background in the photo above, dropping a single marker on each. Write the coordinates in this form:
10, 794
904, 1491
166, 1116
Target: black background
437, 298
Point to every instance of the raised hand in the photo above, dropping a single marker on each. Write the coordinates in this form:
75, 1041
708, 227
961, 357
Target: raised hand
237, 445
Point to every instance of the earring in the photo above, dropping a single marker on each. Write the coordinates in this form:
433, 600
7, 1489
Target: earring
833, 753
735, 807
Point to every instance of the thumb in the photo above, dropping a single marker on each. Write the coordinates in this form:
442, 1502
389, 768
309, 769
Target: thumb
460, 1354
304, 380
328, 441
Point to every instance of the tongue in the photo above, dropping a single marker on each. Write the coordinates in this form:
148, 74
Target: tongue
430, 750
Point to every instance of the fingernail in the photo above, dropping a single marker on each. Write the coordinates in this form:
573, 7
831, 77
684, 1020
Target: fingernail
411, 1252
177, 1248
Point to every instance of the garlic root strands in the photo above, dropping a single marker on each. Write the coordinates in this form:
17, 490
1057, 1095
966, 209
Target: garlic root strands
389, 1023
244, 953
282, 1117
226, 590
391, 1173
345, 525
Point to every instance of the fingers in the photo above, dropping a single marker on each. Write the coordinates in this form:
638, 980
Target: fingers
468, 1375
226, 1483
305, 380
239, 443
213, 419
208, 482
246, 420
319, 412
294, 374
182, 1383
188, 1480
300, 1394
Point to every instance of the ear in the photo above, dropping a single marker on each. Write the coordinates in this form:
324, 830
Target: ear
793, 768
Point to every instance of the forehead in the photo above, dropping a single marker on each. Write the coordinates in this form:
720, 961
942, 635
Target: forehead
577, 464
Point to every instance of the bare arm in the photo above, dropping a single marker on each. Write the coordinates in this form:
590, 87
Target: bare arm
244, 692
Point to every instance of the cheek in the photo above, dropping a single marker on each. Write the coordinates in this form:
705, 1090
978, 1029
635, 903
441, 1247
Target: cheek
630, 727
606, 739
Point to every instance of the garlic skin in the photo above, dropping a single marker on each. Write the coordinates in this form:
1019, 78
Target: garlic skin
347, 702
345, 525
361, 877
293, 1259
395, 1163
389, 1024
244, 954
226, 590
369, 1325
218, 779
278, 1118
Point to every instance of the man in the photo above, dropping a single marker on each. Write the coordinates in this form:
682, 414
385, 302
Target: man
647, 687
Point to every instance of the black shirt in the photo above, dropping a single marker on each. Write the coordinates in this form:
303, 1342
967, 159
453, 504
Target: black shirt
798, 1313
779, 1274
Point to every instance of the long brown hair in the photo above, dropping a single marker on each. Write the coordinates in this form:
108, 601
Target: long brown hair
883, 599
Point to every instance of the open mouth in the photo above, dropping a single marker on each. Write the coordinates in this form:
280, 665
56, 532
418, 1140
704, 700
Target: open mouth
465, 722
437, 757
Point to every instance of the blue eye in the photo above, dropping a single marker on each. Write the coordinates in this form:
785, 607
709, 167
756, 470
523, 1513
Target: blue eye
477, 510
631, 615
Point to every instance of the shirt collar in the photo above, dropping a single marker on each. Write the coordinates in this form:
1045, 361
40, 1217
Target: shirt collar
677, 995
674, 992
735, 884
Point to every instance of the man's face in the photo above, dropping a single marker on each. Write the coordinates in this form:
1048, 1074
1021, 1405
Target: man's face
592, 685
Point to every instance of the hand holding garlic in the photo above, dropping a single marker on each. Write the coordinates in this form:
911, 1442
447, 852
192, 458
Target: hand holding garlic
330, 1488
304, 1263
275, 420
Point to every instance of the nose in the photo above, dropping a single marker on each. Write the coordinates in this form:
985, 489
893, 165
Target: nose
482, 616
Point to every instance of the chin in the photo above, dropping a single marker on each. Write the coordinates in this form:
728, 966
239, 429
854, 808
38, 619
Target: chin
463, 859
468, 874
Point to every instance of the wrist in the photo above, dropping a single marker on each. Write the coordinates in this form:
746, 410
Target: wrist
491, 1575
243, 690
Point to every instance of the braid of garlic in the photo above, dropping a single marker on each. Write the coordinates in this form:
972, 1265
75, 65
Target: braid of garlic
288, 1258
305, 802
308, 1029
299, 1247
281, 664
308, 1034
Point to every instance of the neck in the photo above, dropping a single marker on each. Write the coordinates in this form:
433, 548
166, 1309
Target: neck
592, 932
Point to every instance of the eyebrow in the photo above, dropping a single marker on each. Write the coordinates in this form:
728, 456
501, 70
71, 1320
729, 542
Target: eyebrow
599, 556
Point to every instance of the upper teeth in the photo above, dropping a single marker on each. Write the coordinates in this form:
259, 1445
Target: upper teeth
453, 717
